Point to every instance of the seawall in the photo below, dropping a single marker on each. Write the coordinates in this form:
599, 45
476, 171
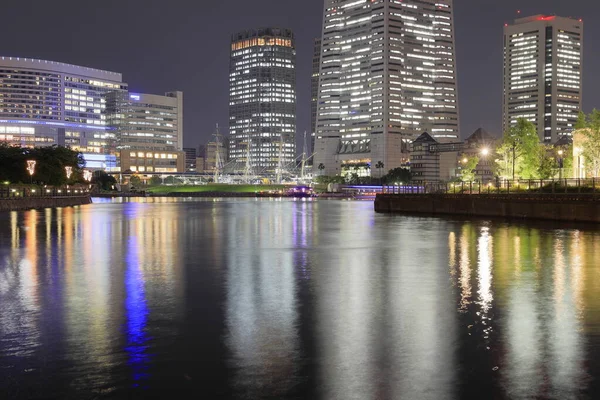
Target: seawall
585, 208
27, 203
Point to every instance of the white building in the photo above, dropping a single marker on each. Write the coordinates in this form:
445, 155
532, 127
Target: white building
388, 73
543, 74
43, 103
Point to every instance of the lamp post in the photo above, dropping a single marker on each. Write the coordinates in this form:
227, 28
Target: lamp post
578, 152
484, 153
560, 164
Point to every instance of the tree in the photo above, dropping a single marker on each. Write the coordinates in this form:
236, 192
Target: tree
519, 151
135, 181
547, 163
380, 165
353, 179
49, 168
398, 175
155, 180
589, 127
467, 168
103, 180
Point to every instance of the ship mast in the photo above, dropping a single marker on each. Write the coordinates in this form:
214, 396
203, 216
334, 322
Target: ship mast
218, 161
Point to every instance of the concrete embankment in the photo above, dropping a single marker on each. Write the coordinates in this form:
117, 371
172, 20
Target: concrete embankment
26, 203
566, 207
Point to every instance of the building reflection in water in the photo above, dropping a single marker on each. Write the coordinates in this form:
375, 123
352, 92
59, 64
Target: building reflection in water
535, 282
261, 305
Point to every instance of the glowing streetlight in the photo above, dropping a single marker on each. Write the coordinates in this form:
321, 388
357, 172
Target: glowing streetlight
87, 175
464, 160
560, 152
69, 171
31, 166
485, 151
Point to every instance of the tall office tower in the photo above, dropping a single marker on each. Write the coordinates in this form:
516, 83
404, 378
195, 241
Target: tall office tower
388, 73
262, 99
314, 93
542, 74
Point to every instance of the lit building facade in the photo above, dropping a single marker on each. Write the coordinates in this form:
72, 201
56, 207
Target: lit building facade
314, 93
191, 156
262, 99
543, 74
149, 130
44, 103
387, 74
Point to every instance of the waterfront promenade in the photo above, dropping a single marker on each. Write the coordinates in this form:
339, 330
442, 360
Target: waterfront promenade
566, 200
25, 197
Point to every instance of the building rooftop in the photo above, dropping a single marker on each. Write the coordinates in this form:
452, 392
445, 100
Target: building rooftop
542, 17
425, 138
481, 135
55, 66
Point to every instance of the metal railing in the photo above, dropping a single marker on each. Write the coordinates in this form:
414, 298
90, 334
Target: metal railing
589, 186
27, 191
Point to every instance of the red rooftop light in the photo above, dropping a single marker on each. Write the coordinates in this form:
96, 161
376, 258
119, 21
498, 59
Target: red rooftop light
547, 18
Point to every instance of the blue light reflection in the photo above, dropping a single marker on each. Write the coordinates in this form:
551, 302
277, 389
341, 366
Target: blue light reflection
137, 315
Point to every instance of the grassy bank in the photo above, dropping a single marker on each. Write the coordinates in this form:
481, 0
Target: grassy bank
213, 188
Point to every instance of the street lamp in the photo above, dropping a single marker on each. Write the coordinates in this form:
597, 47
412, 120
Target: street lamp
560, 164
485, 151
579, 151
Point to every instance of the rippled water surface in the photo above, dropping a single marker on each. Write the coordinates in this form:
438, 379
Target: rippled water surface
265, 299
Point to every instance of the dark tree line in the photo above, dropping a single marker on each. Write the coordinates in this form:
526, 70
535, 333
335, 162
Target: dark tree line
50, 163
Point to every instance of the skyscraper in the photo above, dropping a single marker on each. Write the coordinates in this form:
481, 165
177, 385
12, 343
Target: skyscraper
387, 74
314, 93
542, 74
262, 99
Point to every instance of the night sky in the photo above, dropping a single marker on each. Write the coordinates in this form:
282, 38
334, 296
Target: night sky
184, 45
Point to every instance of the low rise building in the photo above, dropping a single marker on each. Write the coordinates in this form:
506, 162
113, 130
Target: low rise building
432, 161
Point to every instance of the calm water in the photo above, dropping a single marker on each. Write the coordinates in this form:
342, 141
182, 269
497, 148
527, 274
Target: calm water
268, 299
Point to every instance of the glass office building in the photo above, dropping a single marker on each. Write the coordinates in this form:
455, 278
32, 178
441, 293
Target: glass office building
543, 74
387, 74
262, 99
43, 103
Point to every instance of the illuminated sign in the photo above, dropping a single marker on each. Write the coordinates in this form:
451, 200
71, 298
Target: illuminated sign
134, 97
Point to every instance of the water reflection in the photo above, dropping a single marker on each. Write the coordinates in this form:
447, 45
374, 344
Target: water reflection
261, 301
293, 299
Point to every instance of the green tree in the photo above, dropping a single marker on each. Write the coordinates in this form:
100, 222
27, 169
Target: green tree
398, 175
467, 167
519, 151
589, 127
49, 168
135, 181
155, 180
103, 180
547, 163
